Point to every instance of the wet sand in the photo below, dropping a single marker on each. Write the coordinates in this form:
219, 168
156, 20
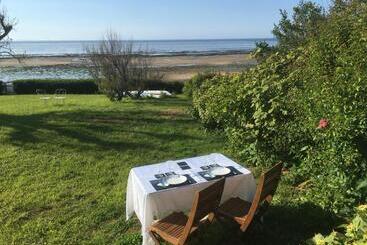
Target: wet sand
173, 67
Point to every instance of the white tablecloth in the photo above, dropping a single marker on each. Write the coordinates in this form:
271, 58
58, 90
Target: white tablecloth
150, 204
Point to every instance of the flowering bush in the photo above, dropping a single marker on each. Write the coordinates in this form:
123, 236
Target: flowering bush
324, 123
306, 107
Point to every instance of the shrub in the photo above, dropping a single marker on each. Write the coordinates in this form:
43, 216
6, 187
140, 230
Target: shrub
87, 86
51, 85
253, 108
2, 87
296, 31
306, 107
195, 82
262, 51
336, 89
356, 232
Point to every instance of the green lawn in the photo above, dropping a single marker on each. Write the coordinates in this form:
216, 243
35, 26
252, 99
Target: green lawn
64, 169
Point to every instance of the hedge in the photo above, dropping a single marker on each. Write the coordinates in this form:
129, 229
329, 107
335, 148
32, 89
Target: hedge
86, 86
51, 85
2, 87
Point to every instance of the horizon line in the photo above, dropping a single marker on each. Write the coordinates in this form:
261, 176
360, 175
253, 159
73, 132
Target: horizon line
176, 39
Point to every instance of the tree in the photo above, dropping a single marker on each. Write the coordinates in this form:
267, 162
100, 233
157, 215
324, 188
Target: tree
6, 26
291, 33
119, 68
262, 51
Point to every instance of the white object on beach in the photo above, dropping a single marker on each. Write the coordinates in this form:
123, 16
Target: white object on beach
149, 204
153, 93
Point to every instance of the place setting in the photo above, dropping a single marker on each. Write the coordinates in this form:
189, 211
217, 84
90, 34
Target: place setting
215, 171
170, 179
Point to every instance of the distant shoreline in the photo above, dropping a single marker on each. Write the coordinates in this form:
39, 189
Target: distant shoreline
154, 48
166, 54
174, 67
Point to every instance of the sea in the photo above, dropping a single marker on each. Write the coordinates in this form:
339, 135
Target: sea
152, 47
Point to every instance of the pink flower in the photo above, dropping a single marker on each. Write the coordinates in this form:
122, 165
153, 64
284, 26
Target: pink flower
324, 123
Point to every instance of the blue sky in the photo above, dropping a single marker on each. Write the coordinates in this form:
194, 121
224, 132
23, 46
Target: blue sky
145, 19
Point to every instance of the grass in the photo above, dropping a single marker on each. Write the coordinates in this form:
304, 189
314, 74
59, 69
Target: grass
64, 169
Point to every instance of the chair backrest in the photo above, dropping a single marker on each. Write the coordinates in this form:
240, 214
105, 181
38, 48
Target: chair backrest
265, 191
205, 202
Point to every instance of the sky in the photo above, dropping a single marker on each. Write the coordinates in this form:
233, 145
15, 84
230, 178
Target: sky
145, 19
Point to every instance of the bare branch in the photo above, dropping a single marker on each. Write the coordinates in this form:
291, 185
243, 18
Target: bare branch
5, 26
119, 68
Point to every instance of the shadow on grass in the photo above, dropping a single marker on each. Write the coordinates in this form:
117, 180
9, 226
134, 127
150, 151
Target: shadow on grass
104, 129
282, 225
176, 101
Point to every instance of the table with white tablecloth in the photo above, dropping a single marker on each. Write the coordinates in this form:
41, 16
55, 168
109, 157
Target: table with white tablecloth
150, 204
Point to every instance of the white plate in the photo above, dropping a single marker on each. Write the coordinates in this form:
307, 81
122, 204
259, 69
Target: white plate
176, 179
220, 171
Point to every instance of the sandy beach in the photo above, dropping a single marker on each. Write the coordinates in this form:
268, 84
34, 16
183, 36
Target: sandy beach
180, 67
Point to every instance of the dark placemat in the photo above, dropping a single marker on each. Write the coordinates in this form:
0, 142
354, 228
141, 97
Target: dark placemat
155, 183
233, 172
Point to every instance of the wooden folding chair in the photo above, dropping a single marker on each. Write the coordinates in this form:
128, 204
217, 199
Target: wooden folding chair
177, 227
243, 212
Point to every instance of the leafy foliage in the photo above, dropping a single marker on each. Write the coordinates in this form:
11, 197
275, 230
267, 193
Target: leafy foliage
262, 51
194, 83
356, 232
291, 33
272, 112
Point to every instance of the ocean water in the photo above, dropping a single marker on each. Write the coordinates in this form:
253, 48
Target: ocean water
155, 47
75, 48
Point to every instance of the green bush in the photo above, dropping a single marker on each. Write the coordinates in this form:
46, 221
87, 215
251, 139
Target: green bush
253, 108
335, 87
50, 86
262, 51
272, 112
356, 232
195, 82
2, 87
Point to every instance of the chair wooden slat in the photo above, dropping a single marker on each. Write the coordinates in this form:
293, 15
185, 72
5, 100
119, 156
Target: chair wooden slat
243, 212
177, 227
269, 189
